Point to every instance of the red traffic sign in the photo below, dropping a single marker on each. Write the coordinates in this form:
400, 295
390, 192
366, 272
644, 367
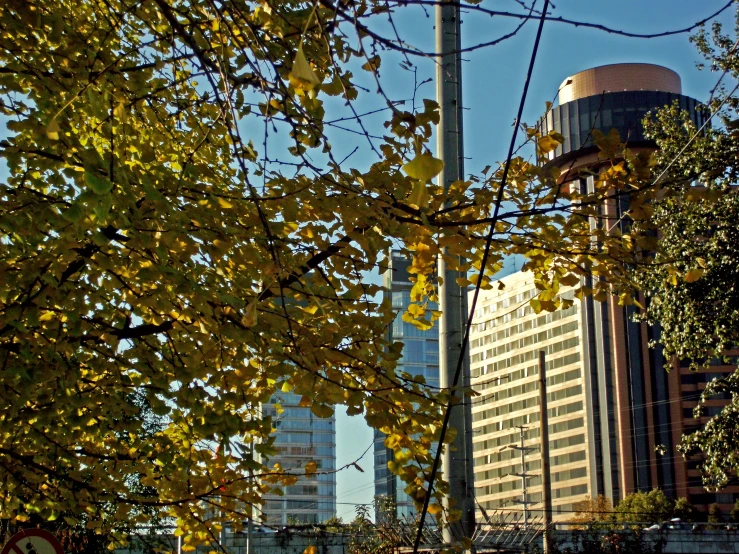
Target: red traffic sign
33, 541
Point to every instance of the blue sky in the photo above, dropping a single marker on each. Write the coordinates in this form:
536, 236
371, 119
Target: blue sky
492, 84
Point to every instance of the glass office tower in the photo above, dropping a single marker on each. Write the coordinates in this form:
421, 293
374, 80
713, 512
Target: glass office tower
302, 437
420, 357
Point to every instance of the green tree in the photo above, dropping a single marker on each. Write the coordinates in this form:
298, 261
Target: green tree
652, 506
691, 286
684, 510
715, 515
593, 510
734, 515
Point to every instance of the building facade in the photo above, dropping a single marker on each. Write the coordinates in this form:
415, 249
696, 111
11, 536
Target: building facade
505, 342
637, 408
420, 357
302, 437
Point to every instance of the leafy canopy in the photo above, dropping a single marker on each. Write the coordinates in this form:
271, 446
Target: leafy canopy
691, 287
150, 249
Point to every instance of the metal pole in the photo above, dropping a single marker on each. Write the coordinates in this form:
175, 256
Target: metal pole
457, 458
524, 483
546, 487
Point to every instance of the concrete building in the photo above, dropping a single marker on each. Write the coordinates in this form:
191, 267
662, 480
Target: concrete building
420, 357
302, 437
504, 349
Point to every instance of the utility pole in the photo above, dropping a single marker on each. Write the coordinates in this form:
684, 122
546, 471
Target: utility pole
546, 487
457, 458
457, 461
523, 475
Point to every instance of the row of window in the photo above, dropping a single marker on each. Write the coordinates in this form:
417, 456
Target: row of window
703, 377
529, 340
311, 490
526, 419
531, 371
302, 424
568, 474
532, 433
305, 438
544, 319
506, 302
524, 357
566, 442
569, 491
535, 465
526, 403
564, 393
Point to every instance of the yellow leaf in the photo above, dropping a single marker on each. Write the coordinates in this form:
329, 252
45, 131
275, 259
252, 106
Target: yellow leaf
693, 275
419, 195
120, 112
53, 130
310, 468
250, 315
435, 509
224, 203
302, 75
310, 550
569, 280
423, 167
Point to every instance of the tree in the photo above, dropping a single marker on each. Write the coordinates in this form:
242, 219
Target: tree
684, 510
150, 246
592, 510
714, 514
734, 515
652, 506
691, 286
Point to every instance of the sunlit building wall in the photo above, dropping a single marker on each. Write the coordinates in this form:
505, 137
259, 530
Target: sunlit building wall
506, 339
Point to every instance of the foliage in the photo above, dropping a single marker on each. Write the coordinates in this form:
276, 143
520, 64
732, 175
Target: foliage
373, 538
691, 286
684, 510
734, 515
714, 514
595, 541
592, 510
652, 506
150, 247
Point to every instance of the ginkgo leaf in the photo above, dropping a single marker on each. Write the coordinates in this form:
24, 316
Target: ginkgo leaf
311, 467
423, 167
693, 275
249, 319
98, 185
53, 130
435, 509
419, 195
302, 73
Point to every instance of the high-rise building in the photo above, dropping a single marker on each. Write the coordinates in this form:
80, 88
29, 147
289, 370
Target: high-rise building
505, 342
420, 357
302, 437
636, 406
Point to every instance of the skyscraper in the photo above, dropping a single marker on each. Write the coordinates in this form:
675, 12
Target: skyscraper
420, 357
636, 406
302, 437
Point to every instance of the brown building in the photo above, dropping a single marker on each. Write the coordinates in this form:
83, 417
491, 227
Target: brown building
636, 404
